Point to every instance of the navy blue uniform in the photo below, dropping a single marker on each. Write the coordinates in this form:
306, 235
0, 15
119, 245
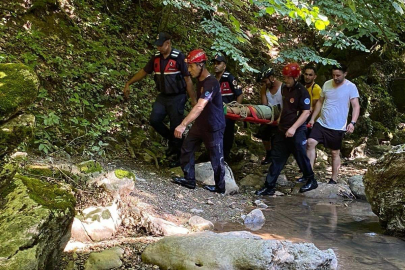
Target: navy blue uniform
295, 100
208, 128
169, 79
230, 90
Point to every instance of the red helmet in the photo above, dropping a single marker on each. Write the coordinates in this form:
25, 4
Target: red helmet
292, 70
196, 56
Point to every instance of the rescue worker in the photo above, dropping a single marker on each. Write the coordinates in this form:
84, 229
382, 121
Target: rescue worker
290, 138
208, 127
270, 95
172, 81
230, 91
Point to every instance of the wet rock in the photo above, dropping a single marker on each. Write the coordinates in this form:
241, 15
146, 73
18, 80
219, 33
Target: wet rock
209, 250
35, 218
261, 204
357, 186
200, 224
278, 193
256, 216
328, 191
107, 259
384, 184
205, 175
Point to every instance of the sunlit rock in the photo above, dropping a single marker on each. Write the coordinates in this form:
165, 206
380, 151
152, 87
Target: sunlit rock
384, 184
209, 250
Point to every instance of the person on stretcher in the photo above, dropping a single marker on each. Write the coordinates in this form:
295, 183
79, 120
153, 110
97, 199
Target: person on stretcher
271, 113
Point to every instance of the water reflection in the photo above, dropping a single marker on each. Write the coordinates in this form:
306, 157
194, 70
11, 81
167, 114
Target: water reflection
350, 229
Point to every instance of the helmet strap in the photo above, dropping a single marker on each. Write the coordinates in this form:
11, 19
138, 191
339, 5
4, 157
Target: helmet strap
201, 65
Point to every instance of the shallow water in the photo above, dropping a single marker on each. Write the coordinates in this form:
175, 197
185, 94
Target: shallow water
351, 230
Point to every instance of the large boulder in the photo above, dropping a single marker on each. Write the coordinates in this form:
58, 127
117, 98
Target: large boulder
384, 184
35, 217
205, 175
18, 89
237, 250
14, 132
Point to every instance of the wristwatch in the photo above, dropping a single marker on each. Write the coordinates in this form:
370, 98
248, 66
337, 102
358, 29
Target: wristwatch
353, 123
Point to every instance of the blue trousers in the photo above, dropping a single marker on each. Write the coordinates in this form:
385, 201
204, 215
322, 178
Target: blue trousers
173, 106
281, 149
213, 141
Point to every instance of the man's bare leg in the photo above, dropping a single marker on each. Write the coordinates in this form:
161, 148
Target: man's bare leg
335, 164
311, 150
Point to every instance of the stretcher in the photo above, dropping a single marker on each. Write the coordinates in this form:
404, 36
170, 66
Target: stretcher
250, 119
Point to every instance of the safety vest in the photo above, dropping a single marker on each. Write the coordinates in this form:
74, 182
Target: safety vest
225, 86
171, 81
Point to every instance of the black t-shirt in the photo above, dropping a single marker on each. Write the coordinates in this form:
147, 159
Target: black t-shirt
181, 65
212, 117
295, 100
230, 89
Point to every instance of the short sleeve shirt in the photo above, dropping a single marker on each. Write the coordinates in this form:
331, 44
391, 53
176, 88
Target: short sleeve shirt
212, 117
314, 92
335, 108
295, 100
181, 65
230, 88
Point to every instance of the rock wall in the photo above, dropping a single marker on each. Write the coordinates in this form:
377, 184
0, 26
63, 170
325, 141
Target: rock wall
384, 185
35, 218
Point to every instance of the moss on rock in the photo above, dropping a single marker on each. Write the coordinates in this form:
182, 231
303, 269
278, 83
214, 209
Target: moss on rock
18, 89
14, 132
33, 220
90, 166
119, 173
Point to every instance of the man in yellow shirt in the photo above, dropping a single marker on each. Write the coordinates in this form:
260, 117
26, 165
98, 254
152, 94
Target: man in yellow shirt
314, 89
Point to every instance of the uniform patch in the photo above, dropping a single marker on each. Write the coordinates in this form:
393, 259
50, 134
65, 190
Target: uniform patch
307, 101
234, 82
207, 94
291, 100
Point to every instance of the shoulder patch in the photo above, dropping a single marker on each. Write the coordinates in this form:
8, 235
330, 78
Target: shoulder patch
234, 82
307, 101
175, 53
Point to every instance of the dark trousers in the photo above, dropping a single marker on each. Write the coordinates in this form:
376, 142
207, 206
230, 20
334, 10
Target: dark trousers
173, 106
281, 149
213, 142
229, 136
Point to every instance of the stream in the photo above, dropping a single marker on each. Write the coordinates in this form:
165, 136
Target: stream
349, 228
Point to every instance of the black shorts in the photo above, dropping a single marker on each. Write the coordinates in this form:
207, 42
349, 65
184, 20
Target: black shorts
266, 132
330, 138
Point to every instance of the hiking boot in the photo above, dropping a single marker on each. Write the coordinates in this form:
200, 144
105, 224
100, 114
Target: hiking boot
184, 182
331, 181
301, 180
310, 185
214, 188
265, 191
